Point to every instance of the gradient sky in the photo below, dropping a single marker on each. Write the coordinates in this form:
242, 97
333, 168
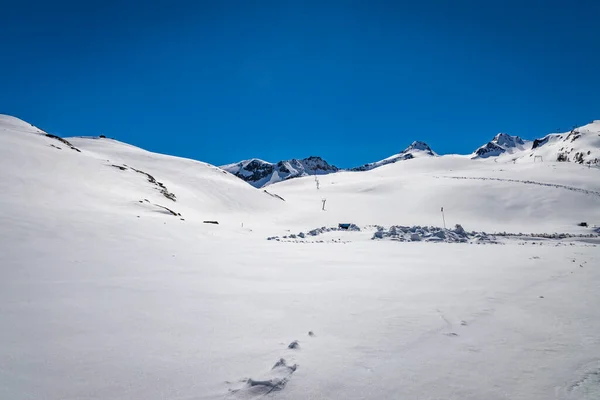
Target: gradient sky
351, 81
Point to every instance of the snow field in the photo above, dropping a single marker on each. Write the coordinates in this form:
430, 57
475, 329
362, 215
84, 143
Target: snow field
103, 296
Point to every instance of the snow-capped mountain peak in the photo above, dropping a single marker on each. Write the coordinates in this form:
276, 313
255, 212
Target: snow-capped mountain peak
502, 143
419, 146
260, 173
506, 140
416, 149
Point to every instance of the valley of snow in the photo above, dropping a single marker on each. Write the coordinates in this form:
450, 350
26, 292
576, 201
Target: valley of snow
113, 287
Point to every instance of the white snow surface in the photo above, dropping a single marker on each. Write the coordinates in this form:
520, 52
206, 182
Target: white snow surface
105, 294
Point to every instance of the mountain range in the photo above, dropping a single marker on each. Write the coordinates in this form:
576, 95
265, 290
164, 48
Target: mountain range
260, 173
581, 145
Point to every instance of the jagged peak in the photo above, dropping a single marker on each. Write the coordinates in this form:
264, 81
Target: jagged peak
504, 139
500, 144
418, 145
313, 158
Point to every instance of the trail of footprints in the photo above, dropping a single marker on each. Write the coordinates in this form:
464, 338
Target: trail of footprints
586, 387
276, 380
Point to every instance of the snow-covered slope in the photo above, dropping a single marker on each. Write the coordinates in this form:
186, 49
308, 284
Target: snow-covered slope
479, 194
9, 124
581, 145
415, 150
113, 178
501, 144
260, 173
106, 294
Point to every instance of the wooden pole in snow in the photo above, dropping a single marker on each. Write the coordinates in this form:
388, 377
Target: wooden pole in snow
443, 218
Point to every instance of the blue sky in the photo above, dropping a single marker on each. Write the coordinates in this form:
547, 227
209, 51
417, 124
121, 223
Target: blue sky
351, 81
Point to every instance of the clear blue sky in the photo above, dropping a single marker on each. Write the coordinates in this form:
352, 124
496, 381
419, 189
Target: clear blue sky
351, 81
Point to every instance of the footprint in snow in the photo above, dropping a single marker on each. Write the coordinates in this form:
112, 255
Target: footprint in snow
585, 386
275, 380
294, 345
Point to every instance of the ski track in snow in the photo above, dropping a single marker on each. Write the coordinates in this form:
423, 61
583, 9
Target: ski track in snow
527, 182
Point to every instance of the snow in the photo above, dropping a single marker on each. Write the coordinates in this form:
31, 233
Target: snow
106, 297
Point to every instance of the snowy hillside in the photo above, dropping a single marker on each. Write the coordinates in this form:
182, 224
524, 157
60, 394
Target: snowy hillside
501, 144
480, 194
260, 173
581, 145
110, 177
112, 286
415, 150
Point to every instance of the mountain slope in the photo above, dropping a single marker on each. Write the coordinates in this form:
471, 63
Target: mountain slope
524, 197
113, 178
581, 145
260, 173
415, 150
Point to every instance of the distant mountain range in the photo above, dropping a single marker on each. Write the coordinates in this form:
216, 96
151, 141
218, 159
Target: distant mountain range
580, 145
260, 173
